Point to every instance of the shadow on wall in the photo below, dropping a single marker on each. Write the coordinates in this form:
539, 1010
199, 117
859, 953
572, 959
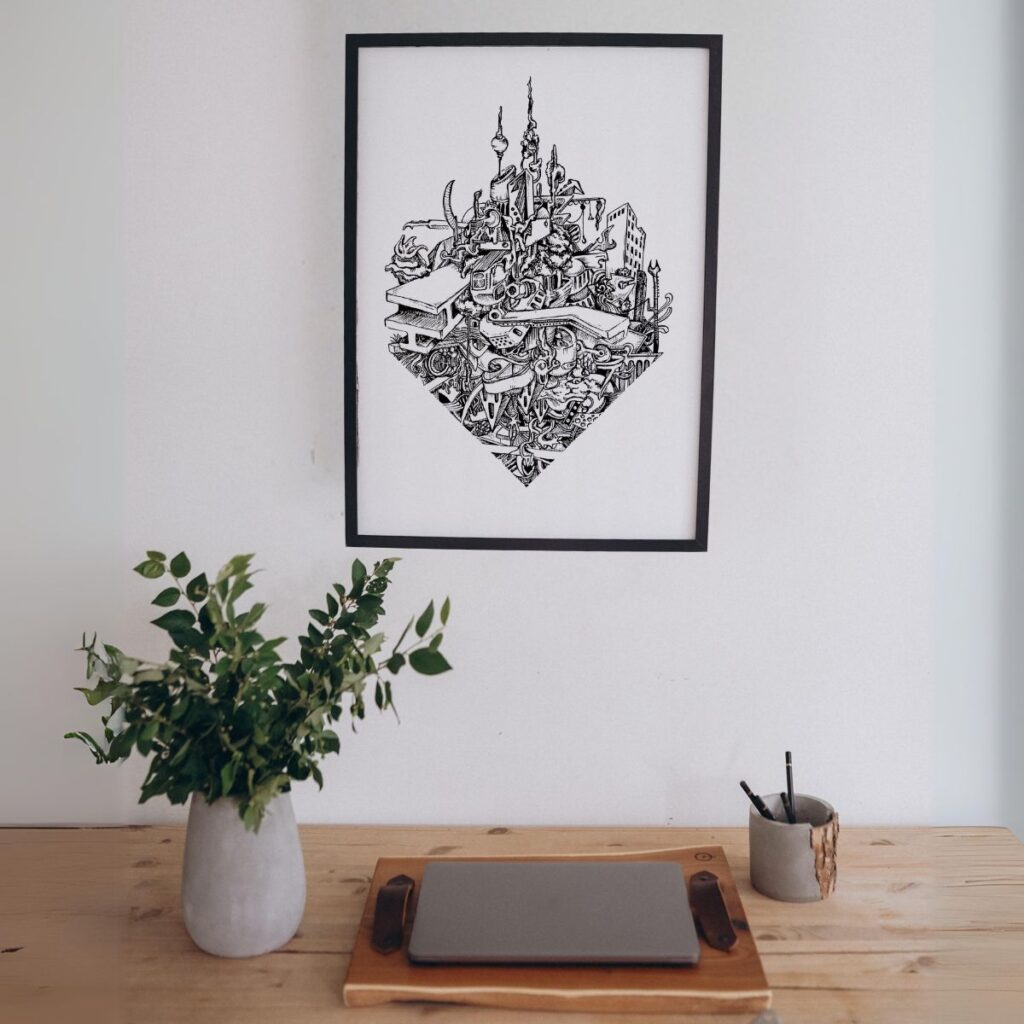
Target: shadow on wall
1011, 747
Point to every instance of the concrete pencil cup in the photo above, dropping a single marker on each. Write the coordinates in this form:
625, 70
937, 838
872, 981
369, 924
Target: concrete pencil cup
795, 863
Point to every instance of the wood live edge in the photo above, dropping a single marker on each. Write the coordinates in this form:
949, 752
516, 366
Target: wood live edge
723, 982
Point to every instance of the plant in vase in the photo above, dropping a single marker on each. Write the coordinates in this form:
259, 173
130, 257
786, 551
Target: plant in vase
229, 724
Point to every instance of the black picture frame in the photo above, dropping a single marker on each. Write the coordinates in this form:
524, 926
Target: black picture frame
354, 44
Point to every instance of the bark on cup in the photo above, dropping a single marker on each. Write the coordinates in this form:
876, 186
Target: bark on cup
795, 863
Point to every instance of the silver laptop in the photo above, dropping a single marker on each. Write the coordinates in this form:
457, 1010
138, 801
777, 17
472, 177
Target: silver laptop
551, 912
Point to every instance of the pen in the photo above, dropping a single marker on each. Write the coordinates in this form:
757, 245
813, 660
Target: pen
791, 811
759, 804
786, 809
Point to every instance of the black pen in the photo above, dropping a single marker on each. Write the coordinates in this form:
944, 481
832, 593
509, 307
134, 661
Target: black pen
789, 787
759, 805
787, 809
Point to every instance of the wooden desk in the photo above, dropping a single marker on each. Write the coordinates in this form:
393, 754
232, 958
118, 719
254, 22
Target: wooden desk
925, 925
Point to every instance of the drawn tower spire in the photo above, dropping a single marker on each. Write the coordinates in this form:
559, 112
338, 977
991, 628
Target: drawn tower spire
499, 143
530, 148
556, 176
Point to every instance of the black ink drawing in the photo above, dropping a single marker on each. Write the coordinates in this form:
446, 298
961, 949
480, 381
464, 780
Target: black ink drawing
525, 316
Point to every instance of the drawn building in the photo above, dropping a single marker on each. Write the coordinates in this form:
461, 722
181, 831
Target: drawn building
427, 308
487, 276
525, 316
629, 239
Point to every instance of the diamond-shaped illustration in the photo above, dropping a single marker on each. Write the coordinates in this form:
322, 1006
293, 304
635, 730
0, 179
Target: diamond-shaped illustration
531, 313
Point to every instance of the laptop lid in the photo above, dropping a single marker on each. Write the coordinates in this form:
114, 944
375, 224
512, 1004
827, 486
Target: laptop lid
553, 912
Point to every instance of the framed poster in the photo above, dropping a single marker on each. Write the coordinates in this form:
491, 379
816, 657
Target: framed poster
531, 228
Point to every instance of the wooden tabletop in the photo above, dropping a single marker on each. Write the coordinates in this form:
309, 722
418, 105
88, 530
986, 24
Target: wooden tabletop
925, 925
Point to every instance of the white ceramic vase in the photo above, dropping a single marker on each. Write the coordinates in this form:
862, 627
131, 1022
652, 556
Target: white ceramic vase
242, 893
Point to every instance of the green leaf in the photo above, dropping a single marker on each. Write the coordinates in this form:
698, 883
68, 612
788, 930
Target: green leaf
358, 572
121, 745
182, 751
373, 644
227, 777
428, 662
180, 565
368, 610
167, 597
178, 619
94, 748
378, 696
239, 587
156, 556
238, 564
318, 616
253, 615
100, 693
150, 569
436, 642
149, 731
445, 610
189, 639
424, 621
251, 817
395, 662
332, 605
198, 588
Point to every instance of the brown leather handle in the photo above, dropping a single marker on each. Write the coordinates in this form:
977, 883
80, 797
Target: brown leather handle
709, 910
389, 914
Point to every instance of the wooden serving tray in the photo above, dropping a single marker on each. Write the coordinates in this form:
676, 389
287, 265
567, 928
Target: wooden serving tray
732, 982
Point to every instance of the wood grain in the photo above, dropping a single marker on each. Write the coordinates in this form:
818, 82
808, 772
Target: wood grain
924, 925
722, 982
825, 846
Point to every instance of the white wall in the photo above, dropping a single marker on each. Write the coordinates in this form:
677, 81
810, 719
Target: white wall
175, 333
978, 711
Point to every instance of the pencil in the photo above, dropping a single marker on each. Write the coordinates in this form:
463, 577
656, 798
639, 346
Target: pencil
759, 805
789, 787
